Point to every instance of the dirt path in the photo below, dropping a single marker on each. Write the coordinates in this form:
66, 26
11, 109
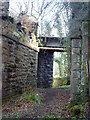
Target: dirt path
54, 103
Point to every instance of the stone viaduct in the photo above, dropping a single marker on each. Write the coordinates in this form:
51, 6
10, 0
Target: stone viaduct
23, 65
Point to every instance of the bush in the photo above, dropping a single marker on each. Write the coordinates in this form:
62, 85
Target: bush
76, 110
59, 82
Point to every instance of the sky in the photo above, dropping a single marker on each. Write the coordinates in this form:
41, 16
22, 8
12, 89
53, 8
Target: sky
14, 11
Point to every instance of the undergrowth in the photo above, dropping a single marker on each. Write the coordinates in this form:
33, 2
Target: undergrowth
65, 86
31, 97
50, 117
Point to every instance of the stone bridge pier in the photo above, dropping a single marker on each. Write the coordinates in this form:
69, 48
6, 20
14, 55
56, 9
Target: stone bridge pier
45, 69
45, 59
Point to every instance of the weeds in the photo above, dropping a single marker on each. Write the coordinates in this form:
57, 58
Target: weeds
31, 97
50, 117
65, 86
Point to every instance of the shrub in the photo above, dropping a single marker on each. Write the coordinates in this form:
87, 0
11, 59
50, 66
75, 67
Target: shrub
31, 97
59, 82
76, 110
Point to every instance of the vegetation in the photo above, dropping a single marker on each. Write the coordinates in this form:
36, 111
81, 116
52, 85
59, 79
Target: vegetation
65, 86
57, 82
85, 24
62, 61
76, 110
31, 97
61, 13
50, 117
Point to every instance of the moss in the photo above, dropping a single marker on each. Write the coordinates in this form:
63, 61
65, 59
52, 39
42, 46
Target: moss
88, 35
85, 24
86, 104
40, 43
84, 88
76, 110
71, 103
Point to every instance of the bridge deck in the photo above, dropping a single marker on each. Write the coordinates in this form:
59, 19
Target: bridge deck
53, 42
53, 49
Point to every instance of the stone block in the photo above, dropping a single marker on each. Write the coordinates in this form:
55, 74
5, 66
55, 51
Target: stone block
76, 51
75, 59
75, 66
74, 85
76, 43
75, 74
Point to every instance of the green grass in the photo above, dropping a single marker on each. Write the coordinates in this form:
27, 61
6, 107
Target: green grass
31, 97
65, 86
50, 117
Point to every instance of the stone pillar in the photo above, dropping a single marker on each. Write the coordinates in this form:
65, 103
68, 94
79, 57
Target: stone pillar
75, 67
89, 57
86, 55
45, 69
4, 7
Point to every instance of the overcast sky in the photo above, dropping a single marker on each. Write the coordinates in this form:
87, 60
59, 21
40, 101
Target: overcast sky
14, 11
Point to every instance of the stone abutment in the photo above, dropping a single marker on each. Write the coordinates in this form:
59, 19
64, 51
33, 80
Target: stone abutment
45, 69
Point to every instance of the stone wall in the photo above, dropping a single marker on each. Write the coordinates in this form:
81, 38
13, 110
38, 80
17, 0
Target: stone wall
75, 67
45, 69
19, 67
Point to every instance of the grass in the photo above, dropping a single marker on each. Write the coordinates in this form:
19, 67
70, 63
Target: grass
65, 86
50, 117
31, 97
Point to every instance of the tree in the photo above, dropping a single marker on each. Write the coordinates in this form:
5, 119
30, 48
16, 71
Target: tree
58, 24
62, 64
35, 8
47, 28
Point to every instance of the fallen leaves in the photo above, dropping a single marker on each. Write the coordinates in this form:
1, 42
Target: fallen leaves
54, 101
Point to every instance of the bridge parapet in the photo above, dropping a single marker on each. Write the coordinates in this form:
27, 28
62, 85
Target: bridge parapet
55, 42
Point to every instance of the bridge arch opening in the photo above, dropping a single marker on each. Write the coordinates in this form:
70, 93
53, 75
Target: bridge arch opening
46, 67
61, 76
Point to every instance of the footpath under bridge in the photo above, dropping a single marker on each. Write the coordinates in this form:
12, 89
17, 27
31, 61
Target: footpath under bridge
47, 47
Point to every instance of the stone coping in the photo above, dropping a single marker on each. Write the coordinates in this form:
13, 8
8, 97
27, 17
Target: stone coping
16, 39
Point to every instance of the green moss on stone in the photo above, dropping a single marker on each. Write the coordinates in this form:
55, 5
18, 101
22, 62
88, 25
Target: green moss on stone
76, 110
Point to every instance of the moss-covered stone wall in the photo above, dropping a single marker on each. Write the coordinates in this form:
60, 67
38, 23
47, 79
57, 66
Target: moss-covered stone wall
19, 64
